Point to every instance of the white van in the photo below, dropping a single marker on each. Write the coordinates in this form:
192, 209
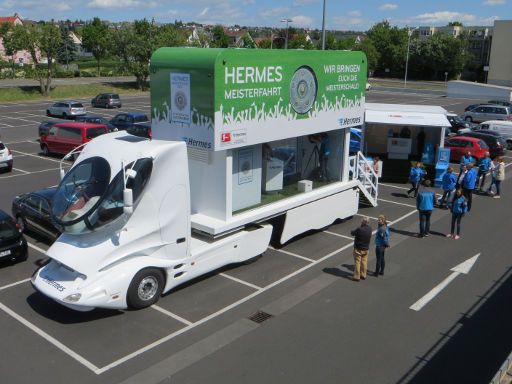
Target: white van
504, 128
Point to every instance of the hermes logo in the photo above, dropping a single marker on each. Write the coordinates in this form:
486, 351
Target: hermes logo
225, 137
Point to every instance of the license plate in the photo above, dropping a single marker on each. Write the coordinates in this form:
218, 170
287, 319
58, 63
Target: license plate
5, 253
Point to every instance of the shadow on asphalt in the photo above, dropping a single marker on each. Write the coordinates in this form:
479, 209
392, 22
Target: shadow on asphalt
474, 348
403, 232
400, 195
345, 270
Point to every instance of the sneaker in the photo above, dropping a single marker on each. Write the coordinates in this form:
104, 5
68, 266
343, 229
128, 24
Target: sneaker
382, 273
457, 237
496, 197
449, 235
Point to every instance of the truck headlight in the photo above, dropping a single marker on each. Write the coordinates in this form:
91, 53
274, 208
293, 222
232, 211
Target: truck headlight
73, 298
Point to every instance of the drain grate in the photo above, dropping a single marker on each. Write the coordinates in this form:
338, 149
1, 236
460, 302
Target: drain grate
260, 316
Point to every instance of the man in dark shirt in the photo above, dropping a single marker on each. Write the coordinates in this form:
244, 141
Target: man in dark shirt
362, 236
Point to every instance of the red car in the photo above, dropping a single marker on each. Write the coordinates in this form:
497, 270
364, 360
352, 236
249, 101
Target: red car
64, 137
460, 145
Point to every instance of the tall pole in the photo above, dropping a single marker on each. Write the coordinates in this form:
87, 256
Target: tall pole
286, 39
409, 33
323, 29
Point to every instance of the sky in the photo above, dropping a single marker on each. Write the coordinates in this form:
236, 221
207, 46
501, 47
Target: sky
340, 14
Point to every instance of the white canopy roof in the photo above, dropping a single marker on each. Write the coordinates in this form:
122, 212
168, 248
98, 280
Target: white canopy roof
399, 114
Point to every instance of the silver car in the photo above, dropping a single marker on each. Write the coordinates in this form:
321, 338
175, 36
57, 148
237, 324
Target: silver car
66, 109
487, 112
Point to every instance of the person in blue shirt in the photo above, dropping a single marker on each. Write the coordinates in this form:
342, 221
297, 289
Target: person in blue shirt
449, 182
415, 175
425, 206
484, 168
459, 208
381, 243
468, 184
466, 159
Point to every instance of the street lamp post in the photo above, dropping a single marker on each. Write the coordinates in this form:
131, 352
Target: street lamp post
409, 33
286, 40
323, 28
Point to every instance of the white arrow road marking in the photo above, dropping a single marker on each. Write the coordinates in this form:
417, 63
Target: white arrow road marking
463, 267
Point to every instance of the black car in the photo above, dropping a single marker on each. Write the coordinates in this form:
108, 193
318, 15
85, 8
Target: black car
96, 120
457, 123
107, 100
496, 144
32, 212
141, 130
13, 246
123, 121
45, 126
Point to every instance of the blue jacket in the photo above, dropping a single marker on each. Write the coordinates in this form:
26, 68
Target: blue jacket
465, 160
469, 181
382, 236
449, 181
485, 164
416, 174
459, 205
425, 200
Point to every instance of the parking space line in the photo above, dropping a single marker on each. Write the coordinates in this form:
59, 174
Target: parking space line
35, 247
7, 125
393, 186
49, 338
370, 217
38, 156
170, 314
396, 202
22, 142
339, 235
21, 170
240, 281
29, 173
21, 119
292, 254
14, 284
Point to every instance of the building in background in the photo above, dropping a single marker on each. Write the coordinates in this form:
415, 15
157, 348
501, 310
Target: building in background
19, 57
500, 64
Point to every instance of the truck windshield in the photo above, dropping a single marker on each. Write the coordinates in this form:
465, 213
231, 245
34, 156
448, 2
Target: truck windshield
80, 190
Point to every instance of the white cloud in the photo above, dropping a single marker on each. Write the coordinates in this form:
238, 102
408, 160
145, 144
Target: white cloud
204, 12
494, 2
352, 20
444, 17
61, 7
388, 7
248, 2
224, 13
115, 4
275, 12
299, 3
302, 21
354, 13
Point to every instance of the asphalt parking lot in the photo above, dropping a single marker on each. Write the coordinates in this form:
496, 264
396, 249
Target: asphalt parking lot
112, 346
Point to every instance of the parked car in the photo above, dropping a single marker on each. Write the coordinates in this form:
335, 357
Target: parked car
45, 126
32, 212
13, 245
473, 106
95, 120
356, 135
488, 112
67, 109
107, 100
496, 144
459, 145
458, 124
127, 119
501, 102
64, 137
6, 160
503, 128
140, 129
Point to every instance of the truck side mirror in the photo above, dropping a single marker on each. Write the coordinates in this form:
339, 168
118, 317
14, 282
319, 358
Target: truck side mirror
128, 201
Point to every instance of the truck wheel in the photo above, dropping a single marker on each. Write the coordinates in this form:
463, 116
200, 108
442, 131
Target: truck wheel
145, 289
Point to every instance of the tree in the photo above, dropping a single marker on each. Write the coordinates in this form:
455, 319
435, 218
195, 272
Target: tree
42, 42
391, 45
67, 49
330, 41
369, 49
219, 37
300, 42
10, 41
96, 39
455, 24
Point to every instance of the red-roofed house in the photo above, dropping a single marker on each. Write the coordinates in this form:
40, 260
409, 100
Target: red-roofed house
20, 57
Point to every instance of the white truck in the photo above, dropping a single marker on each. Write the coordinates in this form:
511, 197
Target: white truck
242, 140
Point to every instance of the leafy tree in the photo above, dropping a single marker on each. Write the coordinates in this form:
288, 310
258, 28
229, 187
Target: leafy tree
248, 42
348, 43
299, 41
10, 41
330, 41
219, 37
67, 50
455, 24
41, 41
391, 45
96, 39
266, 44
372, 55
